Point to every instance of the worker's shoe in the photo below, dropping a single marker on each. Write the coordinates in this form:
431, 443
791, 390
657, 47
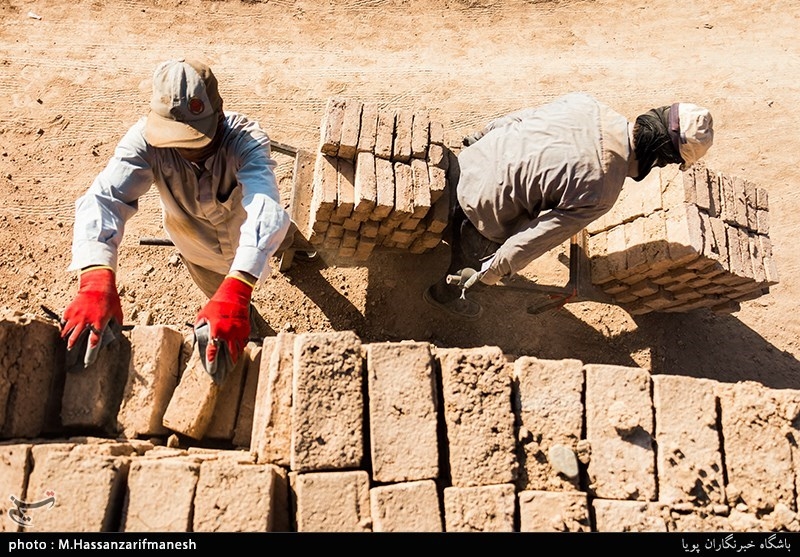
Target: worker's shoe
454, 306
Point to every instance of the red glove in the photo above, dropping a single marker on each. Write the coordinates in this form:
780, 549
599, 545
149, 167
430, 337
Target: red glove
228, 316
96, 303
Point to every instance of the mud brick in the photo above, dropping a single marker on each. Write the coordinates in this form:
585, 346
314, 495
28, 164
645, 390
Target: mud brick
658, 300
272, 420
192, 405
631, 516
644, 288
556, 385
152, 377
596, 252
684, 234
332, 243
756, 258
240, 497
489, 508
319, 228
337, 220
675, 189
403, 127
476, 386
420, 135
728, 194
422, 188
384, 176
331, 126
349, 239
643, 198
698, 175
690, 466
384, 135
345, 189
615, 251
90, 476
31, 375
438, 182
615, 287
351, 126
619, 427
740, 202
402, 412
369, 229
15, 463
635, 256
327, 402
244, 421
369, 128
549, 511
406, 507
324, 185
346, 251
762, 221
93, 395
625, 298
365, 188
751, 197
335, 232
223, 422
401, 237
438, 157
410, 224
438, 217
364, 248
403, 195
739, 253
436, 133
350, 224
770, 268
714, 194
320, 506
758, 445
148, 480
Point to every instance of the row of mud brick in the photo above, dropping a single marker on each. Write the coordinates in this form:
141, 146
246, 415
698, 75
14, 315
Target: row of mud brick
378, 180
679, 241
323, 432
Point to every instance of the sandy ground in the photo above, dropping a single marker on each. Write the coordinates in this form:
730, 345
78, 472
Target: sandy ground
75, 75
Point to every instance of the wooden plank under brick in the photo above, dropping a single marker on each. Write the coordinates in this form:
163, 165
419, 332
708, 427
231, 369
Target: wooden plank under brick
331, 126
351, 126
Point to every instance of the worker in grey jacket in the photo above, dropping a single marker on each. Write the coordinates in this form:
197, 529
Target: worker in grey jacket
220, 203
532, 179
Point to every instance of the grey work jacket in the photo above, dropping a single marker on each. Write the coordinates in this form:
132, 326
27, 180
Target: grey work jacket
538, 176
224, 216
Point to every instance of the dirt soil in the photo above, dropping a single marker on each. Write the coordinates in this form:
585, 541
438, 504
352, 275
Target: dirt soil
76, 74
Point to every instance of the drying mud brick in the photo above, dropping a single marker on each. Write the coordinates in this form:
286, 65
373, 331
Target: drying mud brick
420, 135
384, 134
406, 507
551, 511
332, 501
550, 418
93, 395
384, 179
689, 457
79, 477
631, 516
401, 151
324, 187
752, 417
619, 429
191, 408
351, 125
488, 508
14, 469
244, 421
238, 497
149, 479
365, 189
272, 417
369, 128
152, 377
476, 385
403, 194
403, 412
226, 410
331, 127
327, 402
422, 188
345, 189
31, 365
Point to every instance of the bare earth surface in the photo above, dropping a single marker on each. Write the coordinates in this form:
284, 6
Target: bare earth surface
75, 76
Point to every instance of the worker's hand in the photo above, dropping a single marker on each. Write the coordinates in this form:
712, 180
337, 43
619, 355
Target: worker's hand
472, 138
228, 316
95, 305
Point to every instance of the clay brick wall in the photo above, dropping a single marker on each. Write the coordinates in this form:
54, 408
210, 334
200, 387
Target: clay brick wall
395, 436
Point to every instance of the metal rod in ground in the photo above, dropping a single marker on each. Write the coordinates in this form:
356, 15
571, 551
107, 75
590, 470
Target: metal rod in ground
155, 242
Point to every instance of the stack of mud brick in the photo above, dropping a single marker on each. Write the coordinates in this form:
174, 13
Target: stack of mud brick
679, 241
378, 180
328, 434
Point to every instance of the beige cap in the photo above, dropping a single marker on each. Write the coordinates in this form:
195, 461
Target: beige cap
695, 131
185, 107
